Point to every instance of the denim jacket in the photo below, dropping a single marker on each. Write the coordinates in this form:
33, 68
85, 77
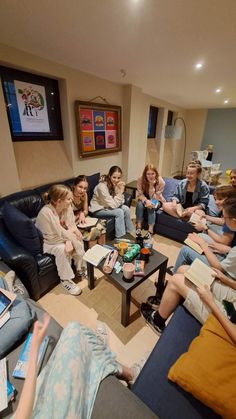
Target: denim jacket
200, 195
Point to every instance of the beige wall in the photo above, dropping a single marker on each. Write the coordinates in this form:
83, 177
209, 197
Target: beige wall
33, 163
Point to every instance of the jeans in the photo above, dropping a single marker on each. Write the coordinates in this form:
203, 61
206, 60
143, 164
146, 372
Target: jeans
187, 256
123, 223
139, 213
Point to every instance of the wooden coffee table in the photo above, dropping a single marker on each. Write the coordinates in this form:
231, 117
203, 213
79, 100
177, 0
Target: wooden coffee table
157, 262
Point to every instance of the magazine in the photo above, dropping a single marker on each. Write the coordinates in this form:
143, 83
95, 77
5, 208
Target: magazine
21, 367
200, 274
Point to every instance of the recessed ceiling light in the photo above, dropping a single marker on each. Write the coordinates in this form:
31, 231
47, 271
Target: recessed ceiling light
218, 90
226, 101
198, 66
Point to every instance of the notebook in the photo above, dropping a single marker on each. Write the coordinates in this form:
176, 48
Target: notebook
200, 274
96, 254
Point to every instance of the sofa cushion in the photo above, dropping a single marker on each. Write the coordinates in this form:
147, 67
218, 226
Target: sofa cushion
152, 386
208, 369
22, 229
92, 182
170, 186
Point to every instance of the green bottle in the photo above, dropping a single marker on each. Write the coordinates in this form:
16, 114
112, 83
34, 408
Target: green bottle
131, 253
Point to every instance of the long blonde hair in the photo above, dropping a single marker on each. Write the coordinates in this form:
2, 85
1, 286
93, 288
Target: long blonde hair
55, 193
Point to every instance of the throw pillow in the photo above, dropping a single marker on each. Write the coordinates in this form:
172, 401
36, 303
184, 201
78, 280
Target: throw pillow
208, 369
22, 229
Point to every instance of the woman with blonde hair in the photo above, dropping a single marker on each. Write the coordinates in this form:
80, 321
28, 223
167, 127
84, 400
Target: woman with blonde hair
191, 194
150, 187
61, 237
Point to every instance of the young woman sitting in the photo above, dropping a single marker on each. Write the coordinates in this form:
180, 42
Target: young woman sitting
61, 237
80, 199
108, 201
149, 187
80, 208
192, 193
215, 223
68, 384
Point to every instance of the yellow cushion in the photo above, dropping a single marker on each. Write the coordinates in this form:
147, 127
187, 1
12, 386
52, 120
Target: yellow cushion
208, 369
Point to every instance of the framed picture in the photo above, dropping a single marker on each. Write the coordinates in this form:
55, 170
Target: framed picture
98, 128
32, 104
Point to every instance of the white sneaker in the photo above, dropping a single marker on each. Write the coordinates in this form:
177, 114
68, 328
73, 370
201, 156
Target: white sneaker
83, 273
71, 287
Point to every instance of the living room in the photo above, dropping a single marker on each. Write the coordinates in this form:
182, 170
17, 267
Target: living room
30, 164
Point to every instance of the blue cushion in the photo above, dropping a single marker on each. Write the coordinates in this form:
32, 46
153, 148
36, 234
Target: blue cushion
170, 186
22, 229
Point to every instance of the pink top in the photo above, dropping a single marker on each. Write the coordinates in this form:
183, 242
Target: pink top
154, 192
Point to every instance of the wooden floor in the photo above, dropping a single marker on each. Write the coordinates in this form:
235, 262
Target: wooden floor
104, 304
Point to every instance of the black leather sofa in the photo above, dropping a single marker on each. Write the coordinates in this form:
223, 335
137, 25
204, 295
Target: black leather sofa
37, 271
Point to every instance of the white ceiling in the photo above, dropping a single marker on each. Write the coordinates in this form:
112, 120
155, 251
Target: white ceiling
156, 42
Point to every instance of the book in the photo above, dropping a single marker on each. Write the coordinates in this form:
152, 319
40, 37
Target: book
193, 245
3, 385
89, 222
21, 367
200, 274
96, 254
4, 318
196, 219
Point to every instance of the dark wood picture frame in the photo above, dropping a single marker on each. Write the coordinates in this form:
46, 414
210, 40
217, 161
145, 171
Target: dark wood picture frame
98, 128
49, 102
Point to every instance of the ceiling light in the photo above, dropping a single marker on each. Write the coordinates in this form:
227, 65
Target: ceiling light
198, 66
226, 101
218, 90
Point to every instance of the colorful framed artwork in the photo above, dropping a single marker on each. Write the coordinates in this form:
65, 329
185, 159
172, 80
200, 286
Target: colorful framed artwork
98, 127
32, 104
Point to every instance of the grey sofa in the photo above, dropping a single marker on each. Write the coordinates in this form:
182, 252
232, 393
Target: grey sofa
113, 399
152, 386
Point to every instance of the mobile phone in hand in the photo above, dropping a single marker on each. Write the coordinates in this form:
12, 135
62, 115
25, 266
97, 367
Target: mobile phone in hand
230, 310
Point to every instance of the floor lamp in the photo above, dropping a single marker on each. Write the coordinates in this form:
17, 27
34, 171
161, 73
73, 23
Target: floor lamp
175, 133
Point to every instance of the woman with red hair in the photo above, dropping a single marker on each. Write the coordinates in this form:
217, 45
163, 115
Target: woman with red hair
150, 187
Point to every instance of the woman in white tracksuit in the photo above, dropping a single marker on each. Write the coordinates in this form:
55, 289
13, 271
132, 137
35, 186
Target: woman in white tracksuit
61, 237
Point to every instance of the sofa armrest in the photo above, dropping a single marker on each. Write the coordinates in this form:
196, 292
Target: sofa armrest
20, 261
115, 401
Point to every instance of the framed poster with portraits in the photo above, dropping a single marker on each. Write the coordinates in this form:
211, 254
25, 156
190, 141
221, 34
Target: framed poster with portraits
98, 128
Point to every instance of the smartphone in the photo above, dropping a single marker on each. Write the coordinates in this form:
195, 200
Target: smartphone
230, 310
5, 302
